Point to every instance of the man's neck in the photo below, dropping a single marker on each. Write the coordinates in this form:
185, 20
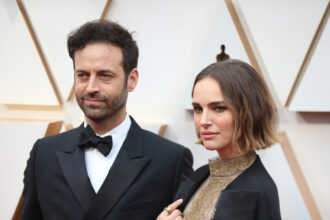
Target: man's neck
102, 127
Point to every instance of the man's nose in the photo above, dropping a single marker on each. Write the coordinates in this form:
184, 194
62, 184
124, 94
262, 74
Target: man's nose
92, 86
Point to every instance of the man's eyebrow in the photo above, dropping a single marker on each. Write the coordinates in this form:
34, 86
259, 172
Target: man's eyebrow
106, 71
80, 70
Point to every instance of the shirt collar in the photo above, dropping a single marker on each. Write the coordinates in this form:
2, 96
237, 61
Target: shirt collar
119, 132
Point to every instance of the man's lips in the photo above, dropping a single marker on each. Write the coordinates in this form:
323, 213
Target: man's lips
93, 101
208, 135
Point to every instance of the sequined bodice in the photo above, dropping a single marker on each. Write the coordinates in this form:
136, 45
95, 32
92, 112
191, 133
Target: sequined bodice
222, 172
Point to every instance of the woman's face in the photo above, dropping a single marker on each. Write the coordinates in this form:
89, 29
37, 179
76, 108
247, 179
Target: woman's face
213, 120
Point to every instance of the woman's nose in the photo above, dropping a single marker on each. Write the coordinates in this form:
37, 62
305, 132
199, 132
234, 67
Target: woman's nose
205, 119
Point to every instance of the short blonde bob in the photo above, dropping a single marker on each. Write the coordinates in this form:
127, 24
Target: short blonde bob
248, 98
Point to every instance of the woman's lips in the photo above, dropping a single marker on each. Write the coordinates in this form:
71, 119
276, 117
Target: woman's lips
208, 135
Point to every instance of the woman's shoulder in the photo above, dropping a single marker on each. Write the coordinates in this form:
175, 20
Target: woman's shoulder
256, 181
255, 178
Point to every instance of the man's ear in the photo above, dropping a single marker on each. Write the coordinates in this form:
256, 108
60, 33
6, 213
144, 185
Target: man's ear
132, 80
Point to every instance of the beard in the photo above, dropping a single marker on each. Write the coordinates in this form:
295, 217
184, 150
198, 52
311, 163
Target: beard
110, 106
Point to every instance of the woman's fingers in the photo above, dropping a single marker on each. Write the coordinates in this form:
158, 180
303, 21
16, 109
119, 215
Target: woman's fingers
175, 204
171, 211
175, 214
162, 215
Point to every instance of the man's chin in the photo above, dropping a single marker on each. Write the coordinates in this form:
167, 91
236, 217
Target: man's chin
93, 106
95, 114
96, 118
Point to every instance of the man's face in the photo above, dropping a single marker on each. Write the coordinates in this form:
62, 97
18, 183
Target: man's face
100, 85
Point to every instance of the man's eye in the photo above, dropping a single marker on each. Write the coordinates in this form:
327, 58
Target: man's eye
81, 75
105, 75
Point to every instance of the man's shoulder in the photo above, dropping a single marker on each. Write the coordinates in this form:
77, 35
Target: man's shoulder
60, 139
66, 134
156, 140
150, 137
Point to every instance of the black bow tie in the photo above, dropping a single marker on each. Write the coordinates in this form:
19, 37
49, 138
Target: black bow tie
88, 138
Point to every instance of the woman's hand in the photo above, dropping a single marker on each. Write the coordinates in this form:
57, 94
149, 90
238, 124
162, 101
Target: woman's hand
171, 213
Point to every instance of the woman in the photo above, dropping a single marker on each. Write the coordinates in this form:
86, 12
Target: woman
235, 115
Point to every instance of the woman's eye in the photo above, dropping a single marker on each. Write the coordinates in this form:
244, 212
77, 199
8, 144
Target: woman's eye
197, 109
220, 108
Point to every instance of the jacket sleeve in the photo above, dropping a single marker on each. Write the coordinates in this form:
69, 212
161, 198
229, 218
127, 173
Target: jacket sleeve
269, 207
31, 207
236, 205
184, 169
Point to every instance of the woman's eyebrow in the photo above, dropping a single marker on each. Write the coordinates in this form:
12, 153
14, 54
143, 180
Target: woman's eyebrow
217, 103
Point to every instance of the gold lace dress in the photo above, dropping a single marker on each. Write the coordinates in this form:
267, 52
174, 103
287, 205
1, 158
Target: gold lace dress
222, 171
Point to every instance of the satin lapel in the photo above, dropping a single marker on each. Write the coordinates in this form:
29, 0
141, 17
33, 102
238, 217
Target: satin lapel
72, 163
126, 168
184, 192
189, 187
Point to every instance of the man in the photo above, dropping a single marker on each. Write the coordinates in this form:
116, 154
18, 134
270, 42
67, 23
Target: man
73, 175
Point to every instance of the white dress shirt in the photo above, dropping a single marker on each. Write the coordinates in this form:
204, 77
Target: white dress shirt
97, 164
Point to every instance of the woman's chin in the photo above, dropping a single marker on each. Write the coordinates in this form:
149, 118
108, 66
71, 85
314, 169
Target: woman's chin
210, 147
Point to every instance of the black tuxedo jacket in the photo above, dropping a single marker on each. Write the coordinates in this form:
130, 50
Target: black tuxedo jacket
141, 182
251, 196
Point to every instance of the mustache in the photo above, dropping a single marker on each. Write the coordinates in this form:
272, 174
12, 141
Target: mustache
97, 96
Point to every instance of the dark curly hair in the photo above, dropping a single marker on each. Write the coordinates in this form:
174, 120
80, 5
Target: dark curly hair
105, 31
